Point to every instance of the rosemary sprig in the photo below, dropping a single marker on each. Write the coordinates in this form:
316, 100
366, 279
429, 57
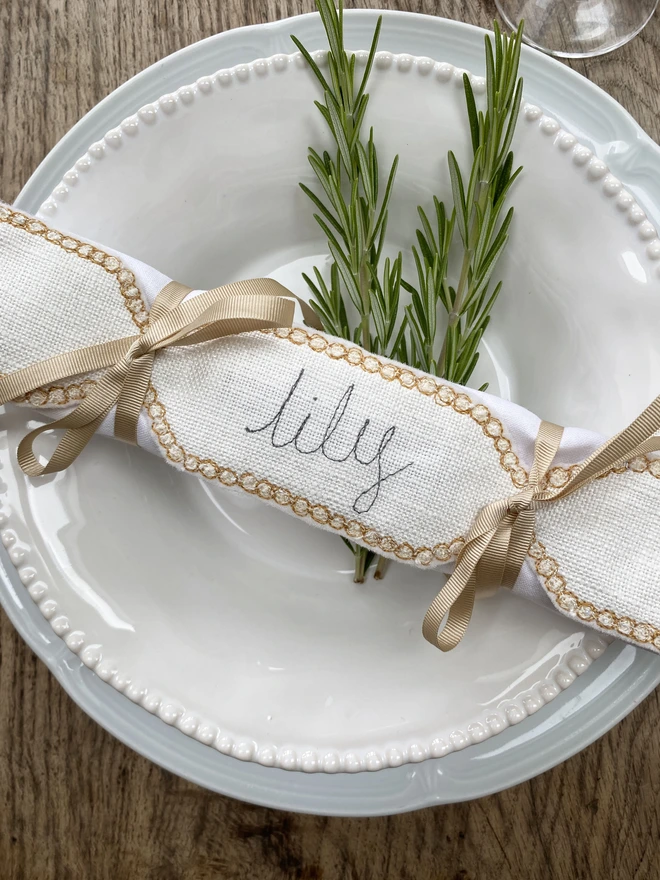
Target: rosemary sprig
352, 211
477, 211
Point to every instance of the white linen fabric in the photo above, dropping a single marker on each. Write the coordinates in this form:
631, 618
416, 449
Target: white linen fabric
382, 454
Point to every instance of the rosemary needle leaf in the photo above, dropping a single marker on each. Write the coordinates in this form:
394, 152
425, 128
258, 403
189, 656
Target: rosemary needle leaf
323, 110
428, 232
511, 125
472, 112
337, 123
370, 59
475, 174
458, 194
348, 544
330, 235
312, 64
322, 208
331, 26
505, 187
357, 121
346, 273
381, 220
365, 172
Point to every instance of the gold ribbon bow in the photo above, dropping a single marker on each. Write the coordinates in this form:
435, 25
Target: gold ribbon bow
497, 544
234, 308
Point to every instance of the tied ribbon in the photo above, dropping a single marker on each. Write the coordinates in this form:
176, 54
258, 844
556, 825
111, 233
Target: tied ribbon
497, 544
233, 308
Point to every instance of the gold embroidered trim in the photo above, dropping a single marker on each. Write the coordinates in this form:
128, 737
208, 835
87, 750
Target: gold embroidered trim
548, 570
559, 476
61, 395
58, 395
301, 506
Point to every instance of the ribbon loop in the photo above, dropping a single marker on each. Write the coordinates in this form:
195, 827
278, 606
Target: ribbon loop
174, 320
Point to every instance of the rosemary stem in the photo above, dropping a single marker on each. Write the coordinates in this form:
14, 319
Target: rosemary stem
365, 333
364, 296
462, 286
353, 217
381, 568
454, 315
360, 559
441, 359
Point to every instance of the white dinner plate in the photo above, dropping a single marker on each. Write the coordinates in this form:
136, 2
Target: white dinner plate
162, 616
170, 620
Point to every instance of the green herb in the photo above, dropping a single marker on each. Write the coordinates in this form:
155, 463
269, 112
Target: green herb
477, 214
352, 210
352, 214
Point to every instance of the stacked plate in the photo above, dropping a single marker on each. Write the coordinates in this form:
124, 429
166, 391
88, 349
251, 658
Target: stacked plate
195, 171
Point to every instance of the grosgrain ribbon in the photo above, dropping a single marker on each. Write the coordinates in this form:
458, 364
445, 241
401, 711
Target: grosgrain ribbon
233, 308
497, 544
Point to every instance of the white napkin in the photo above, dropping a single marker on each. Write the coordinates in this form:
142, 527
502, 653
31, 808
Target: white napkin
383, 454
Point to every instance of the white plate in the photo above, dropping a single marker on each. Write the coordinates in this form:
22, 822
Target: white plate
170, 620
636, 246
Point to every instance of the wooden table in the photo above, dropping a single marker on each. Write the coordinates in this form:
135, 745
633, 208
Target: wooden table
74, 802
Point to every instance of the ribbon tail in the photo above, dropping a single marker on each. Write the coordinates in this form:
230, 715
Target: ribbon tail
80, 425
70, 446
522, 535
456, 599
309, 315
458, 617
62, 366
131, 399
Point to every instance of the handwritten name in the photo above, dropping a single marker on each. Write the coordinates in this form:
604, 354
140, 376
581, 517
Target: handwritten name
337, 442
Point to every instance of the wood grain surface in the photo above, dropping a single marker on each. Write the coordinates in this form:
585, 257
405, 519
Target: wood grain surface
75, 803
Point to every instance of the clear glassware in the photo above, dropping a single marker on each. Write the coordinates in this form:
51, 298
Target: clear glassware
578, 28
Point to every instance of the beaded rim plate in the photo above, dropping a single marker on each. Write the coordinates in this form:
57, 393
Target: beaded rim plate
470, 34
376, 705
